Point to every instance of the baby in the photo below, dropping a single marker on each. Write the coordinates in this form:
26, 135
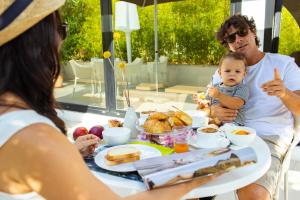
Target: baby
231, 92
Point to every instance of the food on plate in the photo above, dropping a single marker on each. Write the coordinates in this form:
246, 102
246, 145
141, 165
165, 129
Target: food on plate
159, 122
241, 132
114, 123
171, 113
157, 126
184, 117
147, 112
79, 131
97, 130
121, 155
175, 121
158, 116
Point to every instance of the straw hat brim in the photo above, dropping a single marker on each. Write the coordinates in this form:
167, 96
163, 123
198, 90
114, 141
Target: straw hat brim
34, 13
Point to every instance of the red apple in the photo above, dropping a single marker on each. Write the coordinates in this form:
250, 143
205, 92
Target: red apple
97, 130
79, 131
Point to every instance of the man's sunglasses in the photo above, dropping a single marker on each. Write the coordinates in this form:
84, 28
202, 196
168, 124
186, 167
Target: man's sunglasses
63, 30
231, 38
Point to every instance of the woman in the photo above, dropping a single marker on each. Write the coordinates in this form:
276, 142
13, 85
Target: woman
36, 159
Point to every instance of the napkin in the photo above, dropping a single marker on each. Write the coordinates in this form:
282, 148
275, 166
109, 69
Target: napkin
164, 150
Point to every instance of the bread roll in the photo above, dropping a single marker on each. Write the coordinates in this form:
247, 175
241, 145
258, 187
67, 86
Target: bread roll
158, 116
156, 126
184, 117
175, 121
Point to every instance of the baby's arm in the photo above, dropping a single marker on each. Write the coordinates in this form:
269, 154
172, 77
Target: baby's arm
227, 101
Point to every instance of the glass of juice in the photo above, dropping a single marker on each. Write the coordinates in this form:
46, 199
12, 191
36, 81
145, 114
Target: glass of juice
180, 143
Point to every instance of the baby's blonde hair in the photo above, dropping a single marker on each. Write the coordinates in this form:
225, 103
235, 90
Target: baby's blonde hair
235, 56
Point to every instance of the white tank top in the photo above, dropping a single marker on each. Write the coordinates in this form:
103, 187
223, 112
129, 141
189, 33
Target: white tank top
11, 123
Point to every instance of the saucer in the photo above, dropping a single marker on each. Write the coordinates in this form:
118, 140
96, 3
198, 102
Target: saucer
221, 143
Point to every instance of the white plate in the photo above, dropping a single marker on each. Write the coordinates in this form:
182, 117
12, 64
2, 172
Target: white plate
222, 143
146, 152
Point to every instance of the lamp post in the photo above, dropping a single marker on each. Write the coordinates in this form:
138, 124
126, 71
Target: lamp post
126, 20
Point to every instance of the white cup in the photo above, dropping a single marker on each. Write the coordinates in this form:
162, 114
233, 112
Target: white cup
208, 139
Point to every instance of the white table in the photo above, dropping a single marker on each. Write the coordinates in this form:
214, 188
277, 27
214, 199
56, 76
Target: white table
230, 181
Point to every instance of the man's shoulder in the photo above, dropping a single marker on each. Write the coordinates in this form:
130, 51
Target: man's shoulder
279, 58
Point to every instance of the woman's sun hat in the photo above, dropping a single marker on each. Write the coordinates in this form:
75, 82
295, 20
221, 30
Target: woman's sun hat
17, 16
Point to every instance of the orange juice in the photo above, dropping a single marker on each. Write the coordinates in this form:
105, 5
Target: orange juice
180, 148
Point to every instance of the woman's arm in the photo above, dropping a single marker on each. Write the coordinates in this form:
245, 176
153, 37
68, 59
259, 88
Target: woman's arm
50, 165
54, 168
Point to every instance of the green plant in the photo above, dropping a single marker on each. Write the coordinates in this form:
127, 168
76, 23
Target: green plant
186, 31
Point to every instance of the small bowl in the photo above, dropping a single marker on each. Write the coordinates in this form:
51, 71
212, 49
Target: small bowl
240, 135
116, 135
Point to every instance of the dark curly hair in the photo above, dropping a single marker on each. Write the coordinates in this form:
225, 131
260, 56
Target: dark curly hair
238, 21
29, 65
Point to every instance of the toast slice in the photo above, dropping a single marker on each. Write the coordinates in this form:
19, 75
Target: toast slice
121, 161
120, 155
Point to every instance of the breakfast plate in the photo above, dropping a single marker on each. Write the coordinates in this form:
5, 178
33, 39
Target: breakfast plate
146, 152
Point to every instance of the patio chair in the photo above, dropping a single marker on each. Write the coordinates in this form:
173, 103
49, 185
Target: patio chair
76, 68
98, 74
287, 159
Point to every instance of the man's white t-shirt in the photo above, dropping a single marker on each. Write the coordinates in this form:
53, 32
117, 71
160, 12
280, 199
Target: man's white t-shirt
267, 114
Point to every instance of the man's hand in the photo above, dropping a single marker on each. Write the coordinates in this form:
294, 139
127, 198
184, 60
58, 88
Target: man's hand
276, 86
213, 92
224, 114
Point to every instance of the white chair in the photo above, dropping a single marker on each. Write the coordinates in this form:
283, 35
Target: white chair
287, 159
77, 69
98, 74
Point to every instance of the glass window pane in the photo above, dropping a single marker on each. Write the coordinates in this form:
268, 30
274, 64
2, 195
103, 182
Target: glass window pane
188, 54
82, 64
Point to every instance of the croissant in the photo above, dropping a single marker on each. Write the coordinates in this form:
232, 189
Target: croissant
184, 117
175, 121
158, 116
156, 126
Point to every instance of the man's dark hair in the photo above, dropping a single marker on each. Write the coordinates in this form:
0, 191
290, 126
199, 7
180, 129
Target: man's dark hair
235, 56
29, 66
239, 22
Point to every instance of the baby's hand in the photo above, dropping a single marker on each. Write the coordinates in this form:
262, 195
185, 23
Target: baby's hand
213, 92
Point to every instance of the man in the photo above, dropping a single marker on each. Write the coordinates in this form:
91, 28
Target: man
274, 85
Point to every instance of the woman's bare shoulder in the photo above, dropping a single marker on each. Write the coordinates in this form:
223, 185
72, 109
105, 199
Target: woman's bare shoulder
41, 154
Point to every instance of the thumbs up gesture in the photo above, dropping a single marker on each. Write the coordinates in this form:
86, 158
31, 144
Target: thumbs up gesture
276, 86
